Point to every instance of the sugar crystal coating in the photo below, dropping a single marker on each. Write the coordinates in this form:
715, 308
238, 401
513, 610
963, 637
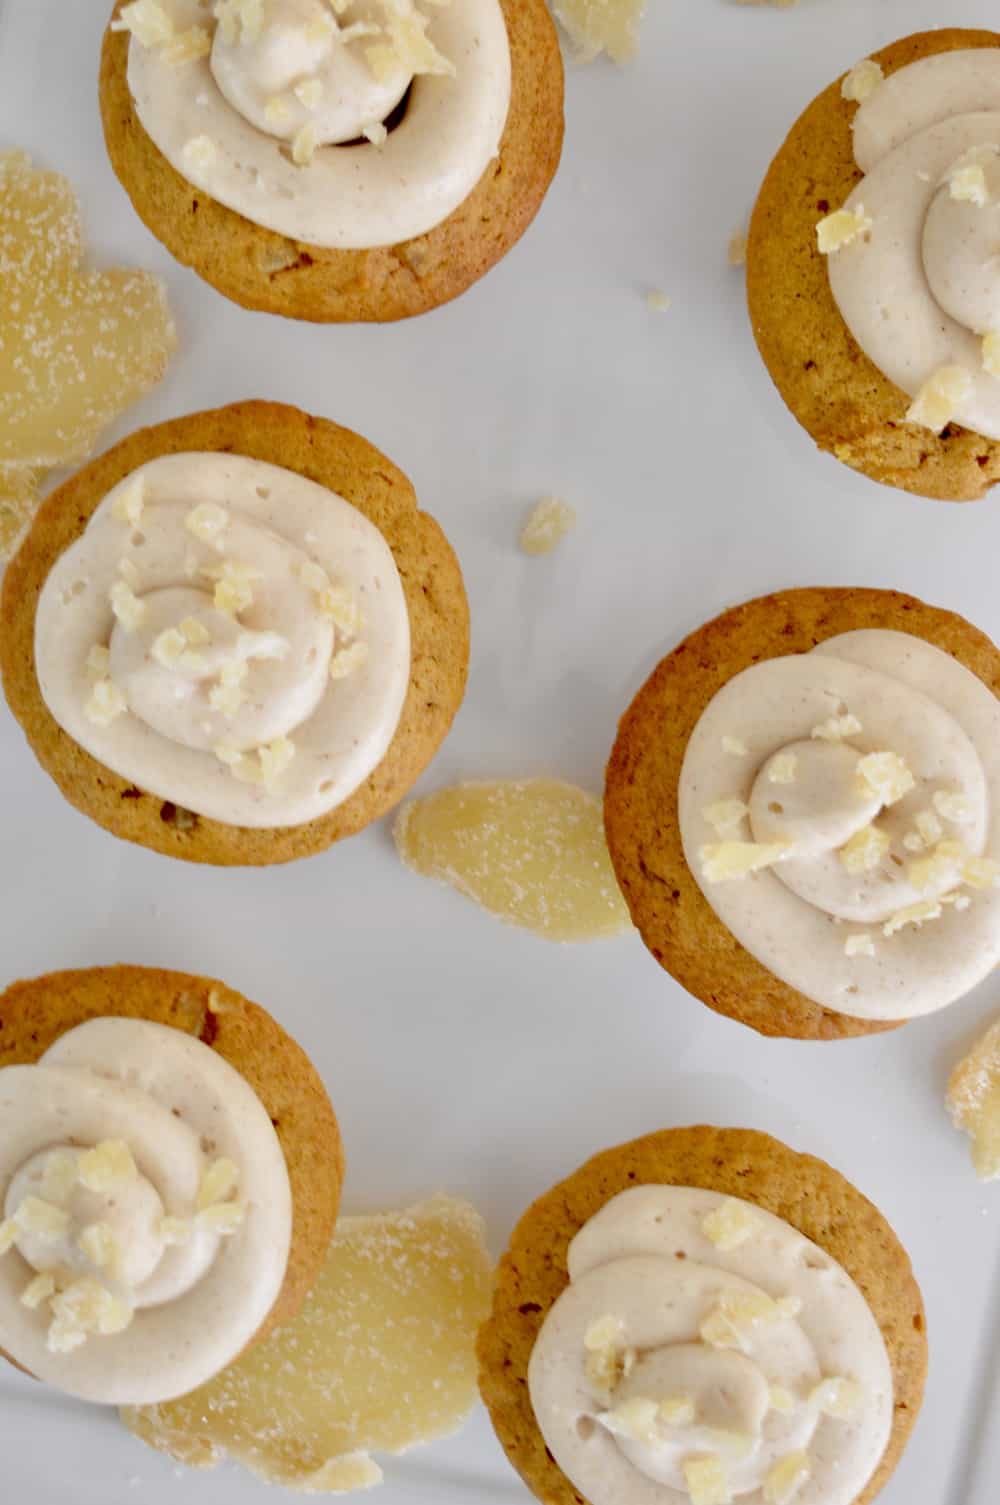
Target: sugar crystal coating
974, 1102
596, 26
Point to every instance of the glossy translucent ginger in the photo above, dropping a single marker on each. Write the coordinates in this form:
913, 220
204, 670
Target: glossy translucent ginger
532, 853
76, 347
596, 26
381, 1357
974, 1102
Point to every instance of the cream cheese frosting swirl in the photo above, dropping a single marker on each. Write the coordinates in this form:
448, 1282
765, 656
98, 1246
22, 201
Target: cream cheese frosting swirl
917, 278
266, 105
230, 636
702, 1340
146, 1210
840, 811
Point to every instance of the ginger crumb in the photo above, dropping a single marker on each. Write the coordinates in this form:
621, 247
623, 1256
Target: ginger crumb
188, 46
886, 775
706, 1480
967, 185
837, 729
786, 1478
728, 861
549, 522
862, 81
842, 228
725, 815
836, 1396
658, 300
532, 853
148, 21
729, 1225
865, 850
991, 352
596, 26
736, 249
973, 1101
105, 703
940, 398
108, 1165
783, 768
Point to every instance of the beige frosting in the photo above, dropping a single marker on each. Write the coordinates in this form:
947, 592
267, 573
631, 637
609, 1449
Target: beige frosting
180, 1109
810, 916
645, 1269
921, 287
227, 121
325, 691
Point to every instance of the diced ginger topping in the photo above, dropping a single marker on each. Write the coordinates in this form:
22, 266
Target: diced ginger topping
605, 1332
837, 729
940, 398
107, 1166
862, 81
43, 1220
240, 20
99, 661
967, 184
658, 300
729, 1225
836, 1396
223, 1219
781, 1400
39, 1290
939, 870
105, 703
148, 21
783, 768
406, 45
786, 1478
677, 1410
550, 521
99, 1244
885, 775
129, 505
304, 144
732, 1321
861, 944
271, 761
200, 153
188, 46
914, 914
126, 606
195, 632
170, 649
227, 696
981, 872
865, 850
376, 133
706, 1480
175, 1231
9, 1235
841, 228
85, 1308
347, 661
734, 747
218, 1183
233, 586
991, 352
596, 26
736, 250
276, 109
953, 805
207, 521
309, 92
973, 1101
635, 1419
729, 861
725, 815
929, 828
59, 1175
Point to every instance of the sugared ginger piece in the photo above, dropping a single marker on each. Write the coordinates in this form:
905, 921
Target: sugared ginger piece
974, 1102
596, 26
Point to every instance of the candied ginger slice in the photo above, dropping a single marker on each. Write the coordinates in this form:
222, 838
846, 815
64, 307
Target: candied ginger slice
380, 1358
532, 853
596, 26
76, 347
974, 1102
18, 504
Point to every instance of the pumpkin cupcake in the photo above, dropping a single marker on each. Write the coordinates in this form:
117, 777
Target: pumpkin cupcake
170, 1172
365, 160
235, 638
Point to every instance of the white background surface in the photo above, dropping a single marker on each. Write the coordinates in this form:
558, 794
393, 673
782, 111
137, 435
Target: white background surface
461, 1055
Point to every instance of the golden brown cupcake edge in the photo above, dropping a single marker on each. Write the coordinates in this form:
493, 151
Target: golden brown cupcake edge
35, 1013
435, 596
676, 921
806, 1192
837, 394
260, 269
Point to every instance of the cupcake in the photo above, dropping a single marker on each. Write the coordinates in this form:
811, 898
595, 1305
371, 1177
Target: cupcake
365, 160
234, 638
803, 811
700, 1315
170, 1172
873, 289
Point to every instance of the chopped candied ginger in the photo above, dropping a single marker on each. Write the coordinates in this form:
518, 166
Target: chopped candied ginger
940, 398
837, 729
729, 861
706, 1480
532, 853
380, 1358
837, 1396
725, 816
967, 184
786, 1478
864, 851
635, 1419
862, 81
550, 521
885, 775
974, 1102
736, 248
729, 1225
76, 347
842, 228
596, 26
991, 352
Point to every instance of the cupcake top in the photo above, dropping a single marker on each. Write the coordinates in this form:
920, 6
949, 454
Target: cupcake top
346, 124
705, 1348
911, 252
840, 811
229, 636
147, 1217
